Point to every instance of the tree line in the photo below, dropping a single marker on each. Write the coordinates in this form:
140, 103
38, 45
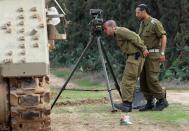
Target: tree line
174, 14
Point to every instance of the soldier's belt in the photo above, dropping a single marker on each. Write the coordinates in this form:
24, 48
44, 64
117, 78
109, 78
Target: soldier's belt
153, 50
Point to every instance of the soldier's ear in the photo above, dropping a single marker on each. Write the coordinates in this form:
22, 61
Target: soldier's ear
114, 28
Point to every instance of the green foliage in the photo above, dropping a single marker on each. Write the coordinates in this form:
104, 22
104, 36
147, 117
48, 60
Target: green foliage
173, 14
178, 70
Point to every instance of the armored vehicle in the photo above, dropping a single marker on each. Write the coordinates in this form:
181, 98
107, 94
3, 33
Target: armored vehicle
24, 65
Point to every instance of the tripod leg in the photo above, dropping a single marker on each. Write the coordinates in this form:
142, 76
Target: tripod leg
111, 70
105, 73
75, 67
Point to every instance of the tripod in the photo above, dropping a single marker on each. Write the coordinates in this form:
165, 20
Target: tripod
103, 56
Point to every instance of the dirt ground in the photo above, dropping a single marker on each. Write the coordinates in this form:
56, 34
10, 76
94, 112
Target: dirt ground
179, 97
97, 122
94, 121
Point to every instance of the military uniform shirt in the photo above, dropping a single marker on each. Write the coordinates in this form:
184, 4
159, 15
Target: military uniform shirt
129, 41
151, 32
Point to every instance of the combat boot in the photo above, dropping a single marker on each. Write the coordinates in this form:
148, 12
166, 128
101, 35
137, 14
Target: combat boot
125, 106
161, 104
149, 106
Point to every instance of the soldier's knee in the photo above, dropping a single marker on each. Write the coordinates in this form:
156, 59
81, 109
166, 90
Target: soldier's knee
153, 77
131, 76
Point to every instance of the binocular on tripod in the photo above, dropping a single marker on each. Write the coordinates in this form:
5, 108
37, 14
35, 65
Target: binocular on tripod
96, 24
96, 31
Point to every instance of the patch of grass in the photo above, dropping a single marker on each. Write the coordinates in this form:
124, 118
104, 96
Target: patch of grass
97, 108
60, 72
83, 80
75, 96
174, 113
79, 95
89, 84
65, 72
60, 110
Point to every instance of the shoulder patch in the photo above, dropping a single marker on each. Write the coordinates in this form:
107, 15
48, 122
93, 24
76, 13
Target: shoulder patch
153, 21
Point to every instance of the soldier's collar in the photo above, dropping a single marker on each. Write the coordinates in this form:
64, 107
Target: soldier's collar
147, 21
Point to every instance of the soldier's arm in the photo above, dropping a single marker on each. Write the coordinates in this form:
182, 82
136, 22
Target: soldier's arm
134, 38
161, 34
163, 43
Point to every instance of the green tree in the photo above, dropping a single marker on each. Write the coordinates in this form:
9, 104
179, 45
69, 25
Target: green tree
173, 14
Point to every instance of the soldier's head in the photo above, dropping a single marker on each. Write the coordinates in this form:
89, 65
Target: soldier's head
142, 11
109, 27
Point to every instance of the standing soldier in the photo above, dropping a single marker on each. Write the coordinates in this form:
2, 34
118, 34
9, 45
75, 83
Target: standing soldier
131, 44
154, 36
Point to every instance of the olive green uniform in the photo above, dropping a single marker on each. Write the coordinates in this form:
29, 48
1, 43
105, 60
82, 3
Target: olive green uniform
151, 32
130, 43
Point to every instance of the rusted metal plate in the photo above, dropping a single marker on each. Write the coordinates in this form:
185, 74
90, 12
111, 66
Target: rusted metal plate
3, 102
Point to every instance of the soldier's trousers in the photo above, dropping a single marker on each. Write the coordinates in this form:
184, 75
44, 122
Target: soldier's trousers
131, 73
149, 79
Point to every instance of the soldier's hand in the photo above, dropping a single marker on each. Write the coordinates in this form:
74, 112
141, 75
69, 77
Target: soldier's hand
146, 53
162, 58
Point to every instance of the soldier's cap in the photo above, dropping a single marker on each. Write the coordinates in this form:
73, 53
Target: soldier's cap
144, 7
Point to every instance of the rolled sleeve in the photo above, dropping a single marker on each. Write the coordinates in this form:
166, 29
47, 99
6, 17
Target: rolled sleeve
159, 29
